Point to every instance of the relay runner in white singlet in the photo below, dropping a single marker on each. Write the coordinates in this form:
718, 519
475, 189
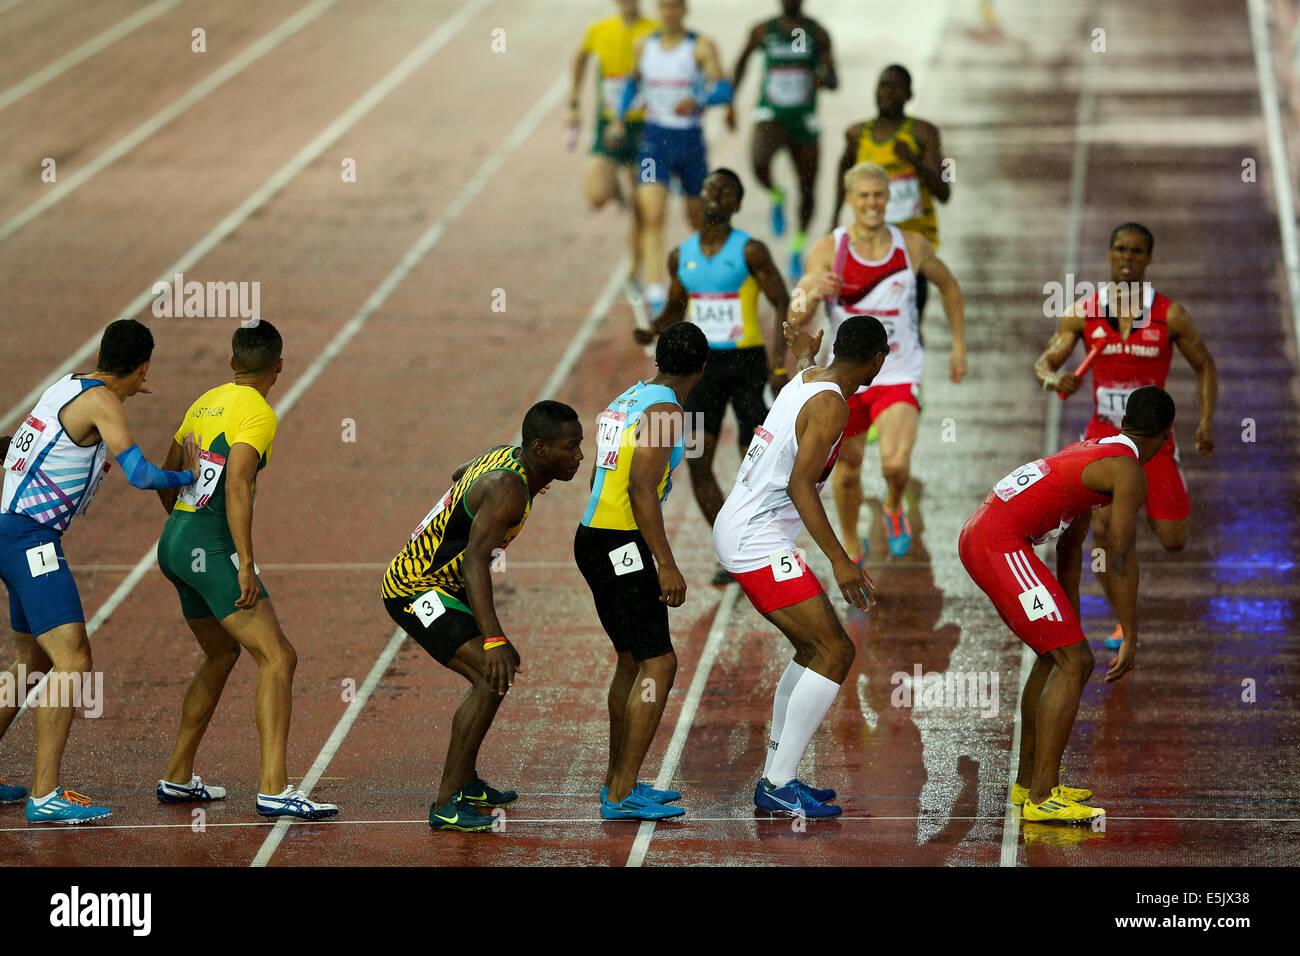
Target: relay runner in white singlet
776, 494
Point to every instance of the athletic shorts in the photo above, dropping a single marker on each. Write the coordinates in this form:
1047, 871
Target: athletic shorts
865, 407
198, 556
442, 636
737, 376
666, 153
626, 153
1026, 594
798, 126
767, 594
1167, 498
624, 582
37, 602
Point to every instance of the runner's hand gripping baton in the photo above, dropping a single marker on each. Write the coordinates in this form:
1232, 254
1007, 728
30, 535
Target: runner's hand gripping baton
1086, 364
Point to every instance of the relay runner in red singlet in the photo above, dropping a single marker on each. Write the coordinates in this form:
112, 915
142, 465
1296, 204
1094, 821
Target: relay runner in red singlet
1051, 499
879, 276
1138, 342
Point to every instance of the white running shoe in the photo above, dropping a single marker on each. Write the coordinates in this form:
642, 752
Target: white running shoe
196, 789
293, 803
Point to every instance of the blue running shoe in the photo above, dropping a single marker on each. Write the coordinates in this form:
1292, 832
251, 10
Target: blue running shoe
636, 807
820, 794
649, 792
196, 789
793, 800
778, 213
899, 530
796, 266
1113, 642
480, 794
293, 803
11, 792
66, 806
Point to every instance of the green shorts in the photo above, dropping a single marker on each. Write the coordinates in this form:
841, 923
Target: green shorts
197, 555
626, 154
800, 126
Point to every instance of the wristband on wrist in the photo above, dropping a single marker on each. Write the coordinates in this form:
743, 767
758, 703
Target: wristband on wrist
778, 371
491, 642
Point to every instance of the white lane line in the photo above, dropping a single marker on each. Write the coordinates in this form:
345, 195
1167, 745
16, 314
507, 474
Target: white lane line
1083, 124
687, 716
526, 126
783, 821
198, 91
1277, 155
281, 177
84, 52
7, 5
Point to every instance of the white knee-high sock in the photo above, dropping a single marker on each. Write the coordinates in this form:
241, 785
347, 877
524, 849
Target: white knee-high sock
784, 687
809, 701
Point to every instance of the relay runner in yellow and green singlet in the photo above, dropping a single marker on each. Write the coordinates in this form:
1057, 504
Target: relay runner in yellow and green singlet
439, 591
206, 552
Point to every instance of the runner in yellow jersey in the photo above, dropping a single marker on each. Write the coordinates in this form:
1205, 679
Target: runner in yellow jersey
206, 552
612, 42
908, 150
439, 591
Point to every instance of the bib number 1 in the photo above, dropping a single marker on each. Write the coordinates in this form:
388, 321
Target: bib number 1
42, 559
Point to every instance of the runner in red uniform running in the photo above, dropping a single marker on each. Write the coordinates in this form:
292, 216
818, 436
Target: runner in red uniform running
1139, 336
1037, 502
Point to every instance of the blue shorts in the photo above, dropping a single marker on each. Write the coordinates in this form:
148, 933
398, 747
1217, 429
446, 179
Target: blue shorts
666, 153
36, 603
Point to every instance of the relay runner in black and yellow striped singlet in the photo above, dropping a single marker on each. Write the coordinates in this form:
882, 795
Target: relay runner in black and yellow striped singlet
439, 590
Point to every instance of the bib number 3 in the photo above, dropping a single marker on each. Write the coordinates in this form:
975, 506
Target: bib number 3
428, 608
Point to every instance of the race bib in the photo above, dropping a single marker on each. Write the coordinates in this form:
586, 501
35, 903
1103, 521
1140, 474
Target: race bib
609, 438
904, 199
626, 559
788, 86
443, 503
787, 565
1020, 479
198, 494
24, 441
1037, 603
611, 91
428, 607
1111, 403
661, 99
720, 319
42, 559
760, 443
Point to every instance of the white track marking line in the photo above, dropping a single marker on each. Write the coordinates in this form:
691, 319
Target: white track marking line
1277, 155
492, 165
281, 177
1083, 125
84, 52
194, 94
686, 717
7, 5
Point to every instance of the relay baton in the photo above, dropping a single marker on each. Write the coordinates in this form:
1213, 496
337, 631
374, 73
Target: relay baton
1086, 364
841, 253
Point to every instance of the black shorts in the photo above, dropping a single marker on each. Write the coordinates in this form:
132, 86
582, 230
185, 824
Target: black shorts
628, 604
443, 637
737, 376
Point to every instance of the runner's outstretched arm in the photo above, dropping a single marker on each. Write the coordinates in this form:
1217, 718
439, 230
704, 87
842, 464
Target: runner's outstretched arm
241, 472
105, 413
818, 427
1207, 375
663, 423
954, 307
1129, 491
502, 500
1057, 353
1069, 558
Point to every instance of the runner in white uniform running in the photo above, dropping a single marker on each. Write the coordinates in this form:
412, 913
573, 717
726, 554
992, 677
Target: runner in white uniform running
775, 495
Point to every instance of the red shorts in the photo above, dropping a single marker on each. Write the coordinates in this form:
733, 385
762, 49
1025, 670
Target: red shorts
767, 594
1167, 498
865, 407
1026, 594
